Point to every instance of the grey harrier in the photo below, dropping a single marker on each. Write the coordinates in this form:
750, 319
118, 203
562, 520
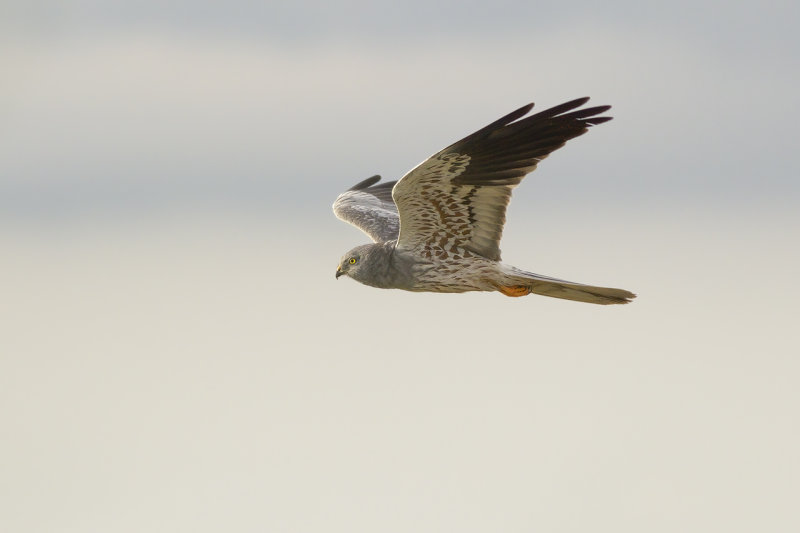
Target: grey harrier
438, 228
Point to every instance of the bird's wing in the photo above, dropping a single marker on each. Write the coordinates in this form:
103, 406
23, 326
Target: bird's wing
370, 208
458, 197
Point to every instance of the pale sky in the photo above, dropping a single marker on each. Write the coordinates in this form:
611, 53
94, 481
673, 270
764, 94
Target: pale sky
122, 103
176, 355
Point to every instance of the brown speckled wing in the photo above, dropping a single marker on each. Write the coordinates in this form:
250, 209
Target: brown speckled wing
458, 197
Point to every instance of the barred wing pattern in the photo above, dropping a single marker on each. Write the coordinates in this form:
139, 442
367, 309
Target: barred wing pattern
457, 198
370, 208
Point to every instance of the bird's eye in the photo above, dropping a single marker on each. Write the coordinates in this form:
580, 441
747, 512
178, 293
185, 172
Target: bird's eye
352, 261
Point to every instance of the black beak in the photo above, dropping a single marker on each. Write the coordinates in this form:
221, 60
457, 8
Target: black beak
339, 272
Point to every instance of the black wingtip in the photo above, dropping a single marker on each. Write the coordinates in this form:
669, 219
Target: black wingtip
514, 115
561, 108
597, 120
577, 102
372, 180
497, 124
586, 115
526, 107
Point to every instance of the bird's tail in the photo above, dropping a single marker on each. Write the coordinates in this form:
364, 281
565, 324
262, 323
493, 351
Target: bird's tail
521, 283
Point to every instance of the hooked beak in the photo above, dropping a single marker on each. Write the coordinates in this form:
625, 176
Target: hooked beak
339, 271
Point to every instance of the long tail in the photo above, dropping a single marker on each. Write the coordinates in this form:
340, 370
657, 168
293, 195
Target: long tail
521, 283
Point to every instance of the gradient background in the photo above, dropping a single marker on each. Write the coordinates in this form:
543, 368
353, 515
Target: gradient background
175, 354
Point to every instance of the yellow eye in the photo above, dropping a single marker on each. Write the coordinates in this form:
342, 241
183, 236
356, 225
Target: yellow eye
352, 261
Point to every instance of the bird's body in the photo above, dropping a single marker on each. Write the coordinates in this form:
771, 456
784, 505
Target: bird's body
434, 271
438, 228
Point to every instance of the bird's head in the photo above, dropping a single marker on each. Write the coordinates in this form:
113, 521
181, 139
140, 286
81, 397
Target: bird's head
355, 262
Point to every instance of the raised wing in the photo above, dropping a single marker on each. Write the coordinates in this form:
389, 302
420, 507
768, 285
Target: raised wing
370, 208
458, 197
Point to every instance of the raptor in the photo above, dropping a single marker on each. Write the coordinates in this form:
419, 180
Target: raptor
438, 228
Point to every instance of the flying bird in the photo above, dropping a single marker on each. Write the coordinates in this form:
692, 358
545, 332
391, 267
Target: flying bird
438, 228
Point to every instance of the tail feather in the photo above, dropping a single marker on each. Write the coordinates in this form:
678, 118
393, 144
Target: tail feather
567, 290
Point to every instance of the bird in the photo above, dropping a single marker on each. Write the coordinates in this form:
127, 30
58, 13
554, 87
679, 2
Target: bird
438, 228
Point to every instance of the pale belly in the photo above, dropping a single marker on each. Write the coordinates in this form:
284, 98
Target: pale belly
457, 275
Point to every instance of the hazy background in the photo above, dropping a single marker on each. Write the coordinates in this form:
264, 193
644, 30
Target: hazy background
175, 354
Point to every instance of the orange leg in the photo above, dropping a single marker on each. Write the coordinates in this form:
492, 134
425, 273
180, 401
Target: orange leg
514, 290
